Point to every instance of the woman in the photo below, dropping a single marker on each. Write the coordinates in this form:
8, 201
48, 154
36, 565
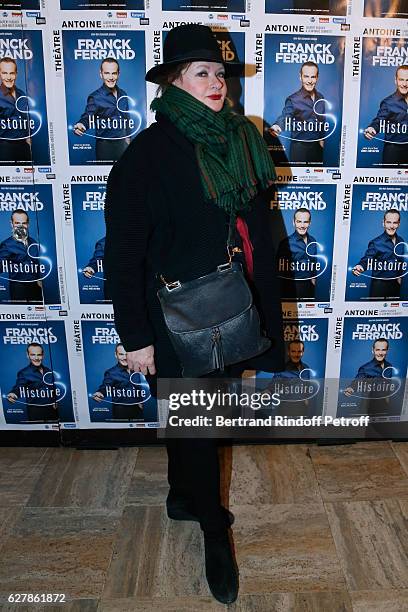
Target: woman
168, 204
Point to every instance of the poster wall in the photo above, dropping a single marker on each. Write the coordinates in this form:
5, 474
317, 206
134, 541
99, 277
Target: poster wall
323, 7
300, 385
383, 121
304, 246
303, 121
88, 202
97, 5
378, 252
28, 254
115, 393
373, 367
103, 119
204, 5
23, 105
326, 83
384, 8
35, 379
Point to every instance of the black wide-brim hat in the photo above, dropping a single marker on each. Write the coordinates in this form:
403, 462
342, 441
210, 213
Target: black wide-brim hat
192, 43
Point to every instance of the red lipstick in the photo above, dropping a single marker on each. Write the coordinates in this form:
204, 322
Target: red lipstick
215, 97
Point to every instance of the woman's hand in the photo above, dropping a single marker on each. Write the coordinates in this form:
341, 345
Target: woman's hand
142, 360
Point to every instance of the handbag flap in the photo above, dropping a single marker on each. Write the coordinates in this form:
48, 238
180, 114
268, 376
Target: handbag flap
206, 302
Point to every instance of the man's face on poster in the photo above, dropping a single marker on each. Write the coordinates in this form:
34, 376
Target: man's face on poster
302, 222
401, 81
8, 74
109, 74
308, 78
35, 355
295, 351
380, 350
19, 226
121, 356
391, 223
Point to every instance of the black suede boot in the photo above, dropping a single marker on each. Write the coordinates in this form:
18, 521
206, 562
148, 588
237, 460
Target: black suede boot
181, 508
220, 568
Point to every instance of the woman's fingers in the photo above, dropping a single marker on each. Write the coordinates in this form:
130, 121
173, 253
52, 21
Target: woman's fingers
147, 367
142, 360
132, 361
152, 368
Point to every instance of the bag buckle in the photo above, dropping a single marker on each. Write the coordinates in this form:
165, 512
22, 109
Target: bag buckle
225, 266
228, 265
170, 286
232, 251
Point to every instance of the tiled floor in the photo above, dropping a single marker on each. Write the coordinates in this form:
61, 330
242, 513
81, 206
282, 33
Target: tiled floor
317, 529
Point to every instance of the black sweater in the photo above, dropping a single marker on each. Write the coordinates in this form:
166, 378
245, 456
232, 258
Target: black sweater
159, 223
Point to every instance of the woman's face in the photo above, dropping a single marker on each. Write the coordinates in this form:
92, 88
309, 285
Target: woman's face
206, 82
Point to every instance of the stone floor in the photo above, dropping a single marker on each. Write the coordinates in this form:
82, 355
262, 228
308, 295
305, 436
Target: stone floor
317, 529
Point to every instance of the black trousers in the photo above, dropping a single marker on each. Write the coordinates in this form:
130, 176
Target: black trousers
385, 289
110, 150
297, 289
395, 153
25, 292
193, 465
127, 411
306, 152
41, 413
312, 5
106, 290
15, 151
194, 473
379, 407
304, 289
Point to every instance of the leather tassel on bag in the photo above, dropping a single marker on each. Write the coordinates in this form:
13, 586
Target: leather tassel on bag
217, 353
212, 320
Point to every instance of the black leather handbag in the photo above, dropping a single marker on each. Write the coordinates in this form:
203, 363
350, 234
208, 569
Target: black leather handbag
212, 321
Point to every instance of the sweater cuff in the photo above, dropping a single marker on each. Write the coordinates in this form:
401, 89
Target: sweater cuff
134, 342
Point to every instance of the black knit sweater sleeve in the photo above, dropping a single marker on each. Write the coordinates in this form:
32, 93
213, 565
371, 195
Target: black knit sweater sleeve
128, 227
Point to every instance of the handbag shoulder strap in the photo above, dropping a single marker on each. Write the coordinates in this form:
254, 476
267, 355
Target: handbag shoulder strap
231, 231
230, 246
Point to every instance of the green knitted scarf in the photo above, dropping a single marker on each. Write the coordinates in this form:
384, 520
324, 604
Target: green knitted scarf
234, 161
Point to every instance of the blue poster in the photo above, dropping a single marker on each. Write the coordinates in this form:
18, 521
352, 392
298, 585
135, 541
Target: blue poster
373, 367
378, 249
100, 5
204, 5
300, 385
105, 93
303, 98
383, 121
304, 241
34, 378
233, 50
28, 258
386, 8
303, 7
23, 107
88, 203
115, 393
